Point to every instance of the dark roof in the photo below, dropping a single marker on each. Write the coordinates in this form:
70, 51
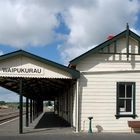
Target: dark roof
74, 73
104, 44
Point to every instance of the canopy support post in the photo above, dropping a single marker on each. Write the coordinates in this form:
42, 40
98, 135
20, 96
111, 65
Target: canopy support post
27, 112
77, 106
20, 108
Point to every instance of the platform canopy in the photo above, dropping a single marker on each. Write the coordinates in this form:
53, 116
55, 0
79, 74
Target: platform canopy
41, 78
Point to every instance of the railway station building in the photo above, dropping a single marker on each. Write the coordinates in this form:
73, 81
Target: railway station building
103, 83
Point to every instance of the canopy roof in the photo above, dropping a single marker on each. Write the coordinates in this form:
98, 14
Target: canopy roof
42, 79
25, 61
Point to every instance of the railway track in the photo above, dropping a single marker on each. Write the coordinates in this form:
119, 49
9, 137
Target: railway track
9, 116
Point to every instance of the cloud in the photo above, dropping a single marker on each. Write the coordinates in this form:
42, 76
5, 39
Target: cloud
33, 22
92, 25
30, 22
26, 23
135, 31
1, 52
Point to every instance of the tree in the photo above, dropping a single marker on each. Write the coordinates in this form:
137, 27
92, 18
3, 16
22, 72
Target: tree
48, 103
2, 103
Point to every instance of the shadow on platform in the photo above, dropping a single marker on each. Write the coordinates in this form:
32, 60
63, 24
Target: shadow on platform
50, 120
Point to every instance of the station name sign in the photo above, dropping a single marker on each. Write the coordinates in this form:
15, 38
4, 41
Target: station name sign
15, 70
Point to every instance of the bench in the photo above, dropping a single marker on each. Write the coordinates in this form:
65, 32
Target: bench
134, 124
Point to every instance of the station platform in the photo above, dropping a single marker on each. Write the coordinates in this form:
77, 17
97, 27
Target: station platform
46, 123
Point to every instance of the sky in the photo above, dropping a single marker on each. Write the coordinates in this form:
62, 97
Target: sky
60, 30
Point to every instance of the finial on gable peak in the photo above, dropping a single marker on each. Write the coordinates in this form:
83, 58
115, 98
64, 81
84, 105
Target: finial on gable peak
127, 26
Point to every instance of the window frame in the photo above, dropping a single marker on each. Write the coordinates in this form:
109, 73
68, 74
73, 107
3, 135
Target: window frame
126, 114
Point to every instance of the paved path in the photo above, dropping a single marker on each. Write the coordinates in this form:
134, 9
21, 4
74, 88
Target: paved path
46, 123
58, 130
80, 136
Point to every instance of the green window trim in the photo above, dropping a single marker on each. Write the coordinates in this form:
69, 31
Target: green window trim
138, 47
133, 113
115, 46
120, 115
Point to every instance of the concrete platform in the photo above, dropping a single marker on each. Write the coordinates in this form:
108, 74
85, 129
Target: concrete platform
55, 129
46, 123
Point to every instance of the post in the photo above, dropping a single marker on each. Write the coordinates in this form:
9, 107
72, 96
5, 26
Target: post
77, 106
27, 112
37, 108
34, 109
31, 111
42, 107
127, 40
20, 108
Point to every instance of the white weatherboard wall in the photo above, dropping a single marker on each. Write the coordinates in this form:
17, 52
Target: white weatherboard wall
98, 99
70, 114
99, 76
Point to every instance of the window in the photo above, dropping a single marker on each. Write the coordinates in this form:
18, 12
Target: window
125, 99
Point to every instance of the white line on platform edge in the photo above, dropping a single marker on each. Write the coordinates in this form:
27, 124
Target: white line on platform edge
8, 121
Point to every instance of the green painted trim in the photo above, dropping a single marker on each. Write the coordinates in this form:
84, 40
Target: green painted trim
97, 48
132, 116
138, 47
115, 46
104, 44
127, 40
117, 97
119, 53
108, 48
74, 73
102, 50
135, 36
134, 101
20, 106
134, 98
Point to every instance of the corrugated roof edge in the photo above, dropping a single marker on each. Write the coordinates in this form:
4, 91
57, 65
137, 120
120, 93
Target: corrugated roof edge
74, 73
107, 42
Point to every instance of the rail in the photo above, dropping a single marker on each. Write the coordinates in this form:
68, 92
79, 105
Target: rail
9, 115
